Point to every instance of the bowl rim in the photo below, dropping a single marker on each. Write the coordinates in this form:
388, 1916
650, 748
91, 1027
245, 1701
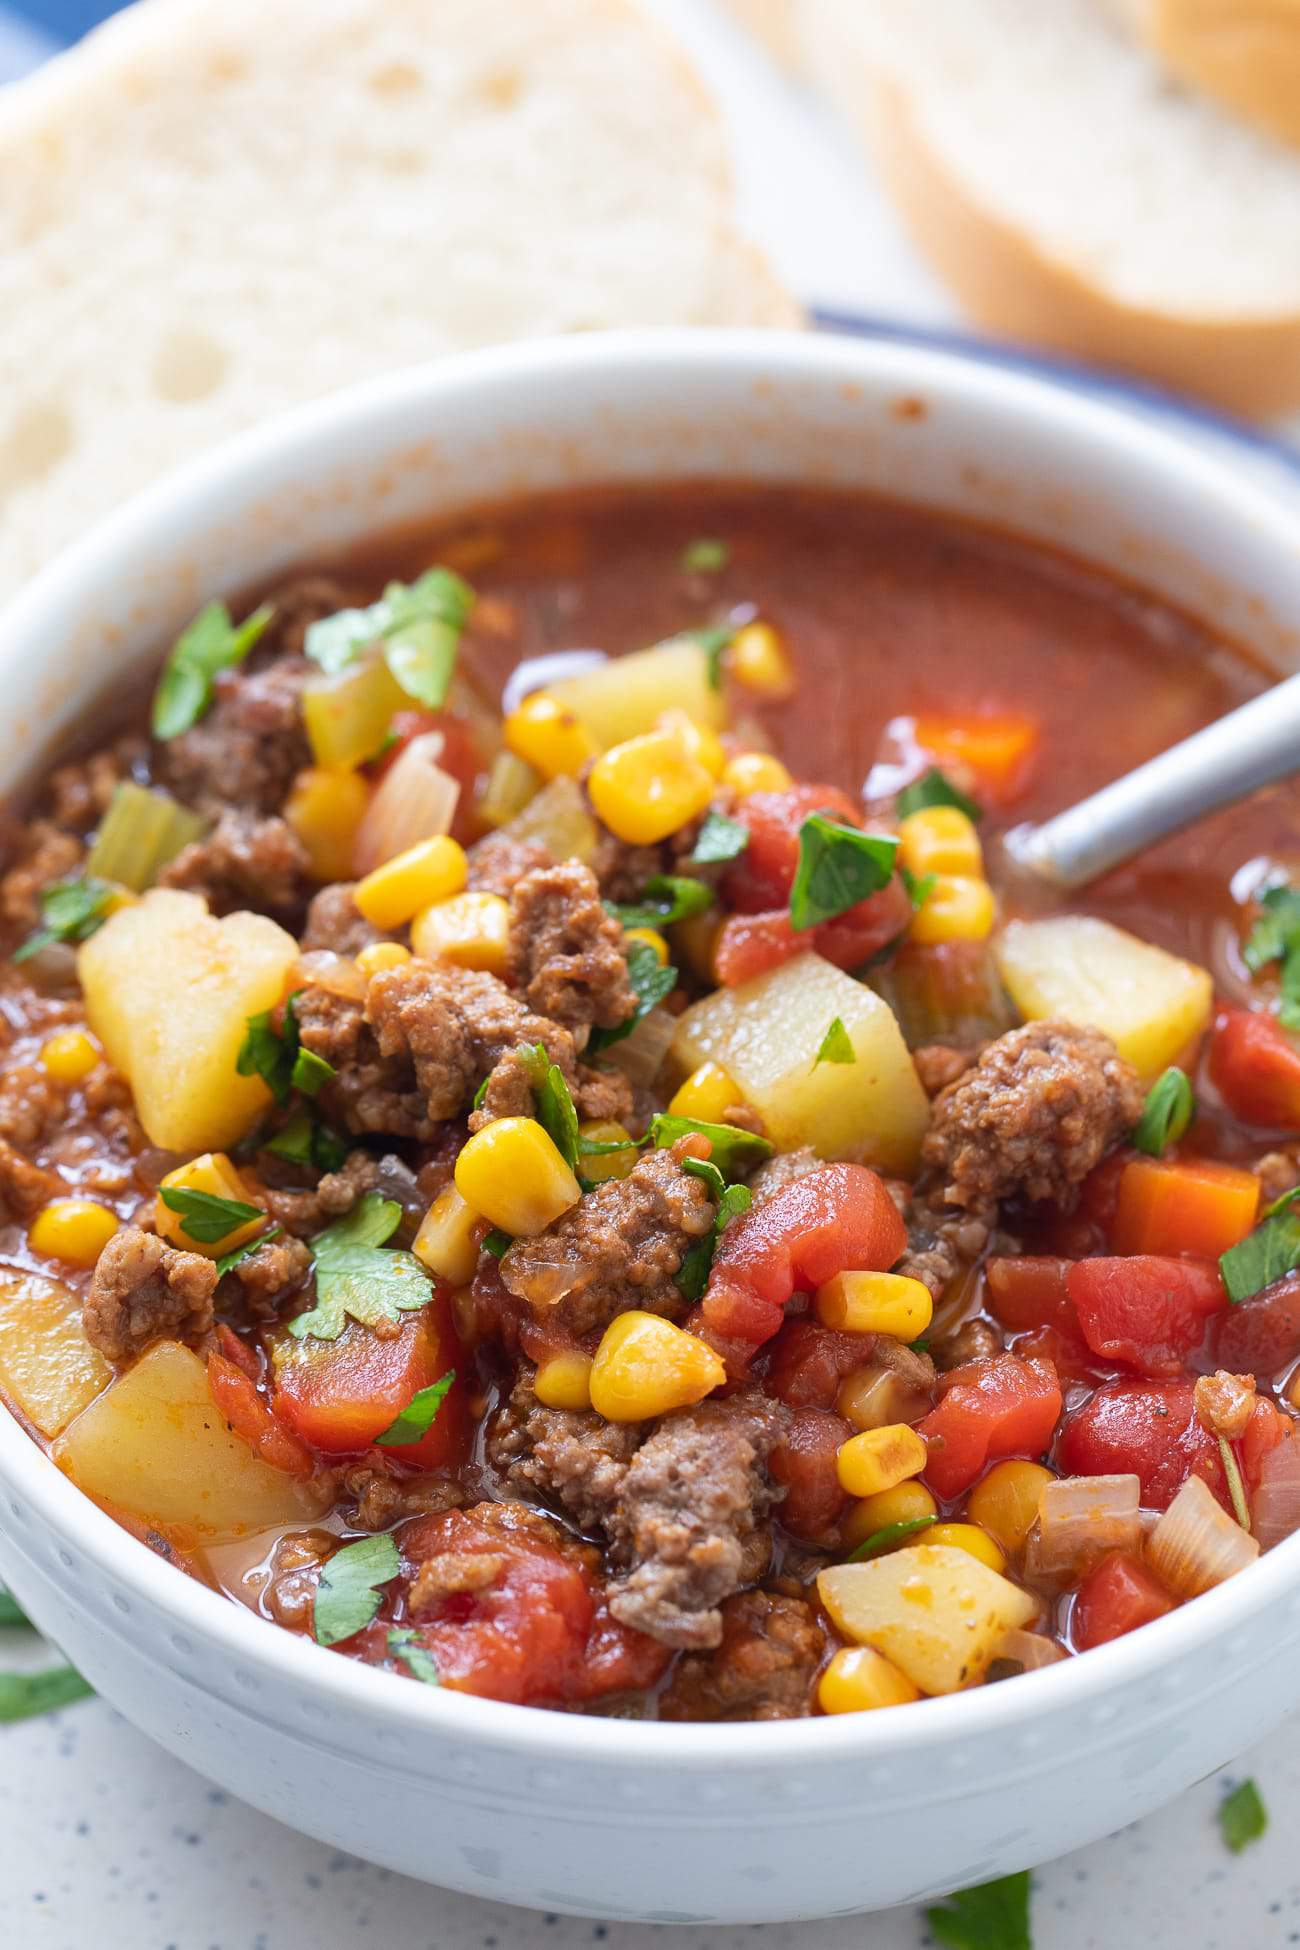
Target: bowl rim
901, 366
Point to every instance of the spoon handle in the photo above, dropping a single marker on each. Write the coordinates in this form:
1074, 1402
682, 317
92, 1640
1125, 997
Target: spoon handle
1252, 746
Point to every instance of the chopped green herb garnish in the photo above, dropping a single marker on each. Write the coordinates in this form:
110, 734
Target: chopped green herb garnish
355, 1278
1267, 1253
278, 1056
995, 1916
71, 910
1243, 1818
310, 1072
719, 839
733, 1151
11, 1612
481, 1092
836, 1045
211, 643
885, 1539
731, 1200
417, 625
416, 1418
704, 557
1275, 937
553, 1102
304, 1140
1169, 1109
140, 833
407, 1645
205, 1217
497, 1242
668, 897
933, 789
838, 867
25, 1694
919, 886
650, 981
229, 1261
347, 1596
714, 644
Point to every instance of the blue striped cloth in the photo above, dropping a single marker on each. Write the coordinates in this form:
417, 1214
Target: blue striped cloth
33, 30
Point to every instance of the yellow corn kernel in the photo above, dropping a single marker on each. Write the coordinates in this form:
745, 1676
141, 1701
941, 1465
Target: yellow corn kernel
940, 839
695, 941
759, 660
378, 955
905, 1503
470, 929
875, 1303
701, 744
325, 808
872, 1398
879, 1458
213, 1173
707, 1094
756, 772
564, 1381
69, 1055
600, 1165
648, 788
970, 1538
549, 737
429, 872
858, 1680
448, 1239
954, 910
652, 939
72, 1229
644, 1366
1005, 1502
514, 1177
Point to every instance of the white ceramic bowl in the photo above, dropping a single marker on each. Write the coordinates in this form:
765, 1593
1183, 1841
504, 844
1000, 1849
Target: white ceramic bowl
607, 1817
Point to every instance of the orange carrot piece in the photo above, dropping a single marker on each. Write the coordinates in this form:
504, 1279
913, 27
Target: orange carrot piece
998, 750
1183, 1205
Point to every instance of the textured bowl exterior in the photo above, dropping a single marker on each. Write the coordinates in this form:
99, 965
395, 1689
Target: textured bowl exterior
604, 1817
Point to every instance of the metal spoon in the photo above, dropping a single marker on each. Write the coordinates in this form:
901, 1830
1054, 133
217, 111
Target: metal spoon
1251, 747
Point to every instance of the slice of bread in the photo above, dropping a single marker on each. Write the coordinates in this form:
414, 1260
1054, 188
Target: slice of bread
212, 209
1069, 195
1246, 53
773, 21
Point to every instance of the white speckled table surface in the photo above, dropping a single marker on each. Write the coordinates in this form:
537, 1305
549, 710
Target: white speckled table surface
104, 1840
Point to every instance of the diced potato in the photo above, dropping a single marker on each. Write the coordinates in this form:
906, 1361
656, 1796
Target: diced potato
348, 714
169, 990
766, 1034
1081, 970
626, 696
935, 1611
48, 1368
559, 819
155, 1445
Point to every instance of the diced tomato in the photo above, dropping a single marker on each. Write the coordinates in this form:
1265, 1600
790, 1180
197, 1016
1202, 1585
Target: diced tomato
999, 748
761, 877
750, 944
1260, 1335
999, 1407
243, 1356
836, 1219
1256, 1068
1031, 1292
341, 1394
1146, 1311
1147, 1429
1183, 1205
1089, 1228
236, 1396
1266, 1428
460, 754
808, 1362
805, 1462
540, 1631
1117, 1596
1069, 1354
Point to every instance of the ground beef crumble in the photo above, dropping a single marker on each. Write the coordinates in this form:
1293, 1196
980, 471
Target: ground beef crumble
144, 1289
335, 922
764, 1668
245, 751
573, 1459
498, 863
566, 952
333, 1195
245, 862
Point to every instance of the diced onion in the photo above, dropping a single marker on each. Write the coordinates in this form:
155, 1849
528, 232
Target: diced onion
1028, 1650
559, 819
1081, 1517
535, 673
321, 968
1196, 1544
1275, 1507
640, 1056
414, 801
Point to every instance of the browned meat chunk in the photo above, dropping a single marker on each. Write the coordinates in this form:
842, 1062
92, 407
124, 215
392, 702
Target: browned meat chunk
80, 791
143, 1289
938, 1066
48, 855
566, 953
24, 1187
264, 1276
941, 1241
1277, 1172
974, 1340
623, 870
245, 751
383, 1496
244, 862
568, 1457
1035, 1114
299, 603
31, 1104
334, 921
765, 1667
604, 1096
451, 1573
498, 863
330, 1198
690, 1519
453, 1025
509, 1092
620, 1246
370, 1092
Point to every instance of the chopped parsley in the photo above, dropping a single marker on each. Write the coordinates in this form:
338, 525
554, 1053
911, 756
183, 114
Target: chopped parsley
497, 1243
416, 1419
355, 1278
886, 1538
229, 1261
715, 645
693, 1274
71, 910
11, 1612
1267, 1253
704, 556
919, 886
414, 1654
347, 1596
651, 982
720, 838
995, 1916
277, 1056
552, 1102
1243, 1817
1169, 1109
1275, 937
205, 1217
304, 1140
933, 789
25, 1694
668, 897
417, 625
733, 1150
838, 867
211, 643
836, 1045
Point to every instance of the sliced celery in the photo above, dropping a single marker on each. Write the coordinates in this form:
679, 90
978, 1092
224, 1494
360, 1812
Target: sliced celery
141, 831
348, 714
509, 786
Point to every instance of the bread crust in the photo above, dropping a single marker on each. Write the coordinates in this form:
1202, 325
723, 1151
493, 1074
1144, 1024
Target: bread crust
1244, 53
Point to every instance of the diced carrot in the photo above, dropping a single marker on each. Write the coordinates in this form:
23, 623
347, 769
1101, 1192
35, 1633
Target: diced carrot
1183, 1205
998, 750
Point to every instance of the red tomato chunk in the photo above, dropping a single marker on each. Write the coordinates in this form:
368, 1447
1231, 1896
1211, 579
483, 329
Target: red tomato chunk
1260, 1335
1148, 1429
1116, 1596
1256, 1068
993, 1408
1147, 1312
